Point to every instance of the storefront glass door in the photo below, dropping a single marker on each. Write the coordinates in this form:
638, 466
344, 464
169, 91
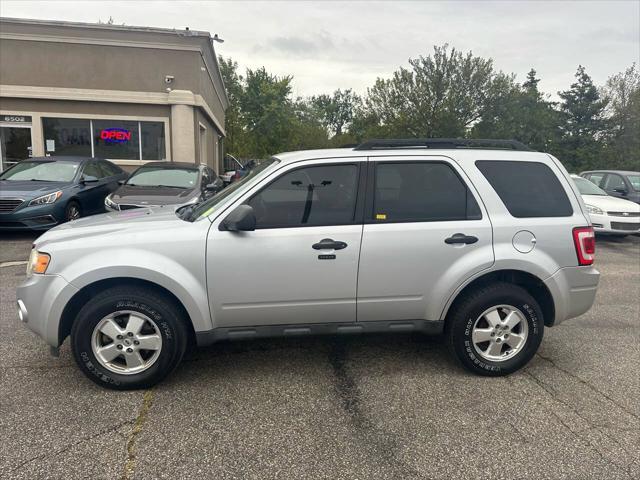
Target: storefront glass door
15, 145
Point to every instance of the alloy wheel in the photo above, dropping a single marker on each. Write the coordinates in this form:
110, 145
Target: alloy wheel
126, 342
500, 333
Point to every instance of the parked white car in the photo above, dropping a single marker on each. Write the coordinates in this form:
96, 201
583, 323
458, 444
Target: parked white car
609, 214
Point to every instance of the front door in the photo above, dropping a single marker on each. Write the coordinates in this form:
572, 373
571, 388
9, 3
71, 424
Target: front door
15, 145
300, 264
424, 232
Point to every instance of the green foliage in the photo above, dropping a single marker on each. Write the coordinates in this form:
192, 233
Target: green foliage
445, 94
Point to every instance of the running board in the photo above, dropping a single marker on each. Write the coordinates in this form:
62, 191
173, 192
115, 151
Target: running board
430, 327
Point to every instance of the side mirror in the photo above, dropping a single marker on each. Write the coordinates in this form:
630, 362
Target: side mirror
89, 179
242, 219
121, 182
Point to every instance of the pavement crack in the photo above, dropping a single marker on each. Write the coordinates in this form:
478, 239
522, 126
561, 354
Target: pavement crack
130, 463
589, 386
576, 432
384, 446
87, 438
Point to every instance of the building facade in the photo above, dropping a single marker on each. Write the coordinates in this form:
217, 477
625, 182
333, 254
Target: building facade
127, 94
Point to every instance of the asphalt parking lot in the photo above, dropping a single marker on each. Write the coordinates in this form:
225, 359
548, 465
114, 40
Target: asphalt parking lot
361, 407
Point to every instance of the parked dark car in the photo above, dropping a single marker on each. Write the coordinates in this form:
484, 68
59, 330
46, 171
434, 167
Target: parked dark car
618, 183
39, 193
165, 183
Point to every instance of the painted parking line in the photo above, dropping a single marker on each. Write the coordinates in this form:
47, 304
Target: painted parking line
13, 264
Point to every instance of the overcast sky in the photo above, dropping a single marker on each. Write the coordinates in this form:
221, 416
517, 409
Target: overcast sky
328, 44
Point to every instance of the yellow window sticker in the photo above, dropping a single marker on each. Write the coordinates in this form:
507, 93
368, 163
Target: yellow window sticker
381, 216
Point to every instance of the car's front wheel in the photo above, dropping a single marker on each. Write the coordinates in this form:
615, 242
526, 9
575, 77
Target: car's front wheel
72, 211
128, 338
495, 330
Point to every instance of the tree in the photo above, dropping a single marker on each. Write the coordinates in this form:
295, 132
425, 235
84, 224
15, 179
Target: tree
336, 110
441, 95
583, 125
233, 83
521, 113
622, 93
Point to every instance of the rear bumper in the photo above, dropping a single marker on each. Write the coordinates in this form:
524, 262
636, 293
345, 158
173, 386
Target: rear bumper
573, 290
40, 302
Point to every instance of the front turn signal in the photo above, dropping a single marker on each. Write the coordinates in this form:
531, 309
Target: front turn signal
38, 262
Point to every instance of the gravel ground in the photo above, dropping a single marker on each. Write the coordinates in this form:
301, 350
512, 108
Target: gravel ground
360, 407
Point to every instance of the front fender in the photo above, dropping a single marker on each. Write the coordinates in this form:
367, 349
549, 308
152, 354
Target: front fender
187, 283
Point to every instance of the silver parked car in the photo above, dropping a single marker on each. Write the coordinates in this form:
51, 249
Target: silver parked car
484, 241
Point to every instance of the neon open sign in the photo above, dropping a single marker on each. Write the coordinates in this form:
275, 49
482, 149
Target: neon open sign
115, 135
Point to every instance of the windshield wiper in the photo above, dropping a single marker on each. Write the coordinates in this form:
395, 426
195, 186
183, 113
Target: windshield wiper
172, 186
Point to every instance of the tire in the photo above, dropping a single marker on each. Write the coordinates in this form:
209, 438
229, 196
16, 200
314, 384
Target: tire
163, 329
473, 314
72, 211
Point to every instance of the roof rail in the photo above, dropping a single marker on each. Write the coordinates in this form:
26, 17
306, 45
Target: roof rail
442, 143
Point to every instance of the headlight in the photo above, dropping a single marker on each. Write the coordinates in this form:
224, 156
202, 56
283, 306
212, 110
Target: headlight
38, 262
48, 198
110, 203
595, 210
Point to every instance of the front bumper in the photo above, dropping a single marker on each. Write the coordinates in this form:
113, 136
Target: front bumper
615, 224
41, 300
573, 290
40, 217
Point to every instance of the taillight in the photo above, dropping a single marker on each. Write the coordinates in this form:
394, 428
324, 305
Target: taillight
585, 241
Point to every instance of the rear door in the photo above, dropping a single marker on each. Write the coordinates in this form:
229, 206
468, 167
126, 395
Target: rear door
425, 232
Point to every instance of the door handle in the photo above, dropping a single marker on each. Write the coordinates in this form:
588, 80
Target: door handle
329, 244
460, 238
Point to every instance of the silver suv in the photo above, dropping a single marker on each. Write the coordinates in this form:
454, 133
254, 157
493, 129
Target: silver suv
486, 242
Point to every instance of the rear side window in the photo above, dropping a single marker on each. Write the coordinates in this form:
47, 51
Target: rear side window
528, 189
421, 192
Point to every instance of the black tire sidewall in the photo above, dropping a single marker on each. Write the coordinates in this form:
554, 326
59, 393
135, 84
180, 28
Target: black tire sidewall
465, 317
164, 316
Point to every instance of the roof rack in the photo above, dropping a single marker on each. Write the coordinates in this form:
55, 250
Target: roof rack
442, 143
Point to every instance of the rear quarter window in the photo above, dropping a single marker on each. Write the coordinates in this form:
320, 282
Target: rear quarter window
527, 189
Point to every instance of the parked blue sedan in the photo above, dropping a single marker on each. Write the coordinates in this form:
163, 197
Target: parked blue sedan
39, 193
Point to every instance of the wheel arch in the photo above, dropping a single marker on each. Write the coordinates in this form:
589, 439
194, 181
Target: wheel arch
531, 283
72, 308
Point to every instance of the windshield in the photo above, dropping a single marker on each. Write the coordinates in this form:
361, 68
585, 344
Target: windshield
166, 177
585, 187
207, 207
635, 182
42, 171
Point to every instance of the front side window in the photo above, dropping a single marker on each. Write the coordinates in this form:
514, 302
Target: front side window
614, 182
165, 177
42, 171
308, 196
67, 136
421, 192
91, 169
527, 189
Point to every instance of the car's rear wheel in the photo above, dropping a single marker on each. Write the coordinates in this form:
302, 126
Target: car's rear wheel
72, 211
495, 330
128, 338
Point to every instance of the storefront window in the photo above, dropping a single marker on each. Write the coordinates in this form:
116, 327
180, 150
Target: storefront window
152, 134
67, 136
112, 139
116, 139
